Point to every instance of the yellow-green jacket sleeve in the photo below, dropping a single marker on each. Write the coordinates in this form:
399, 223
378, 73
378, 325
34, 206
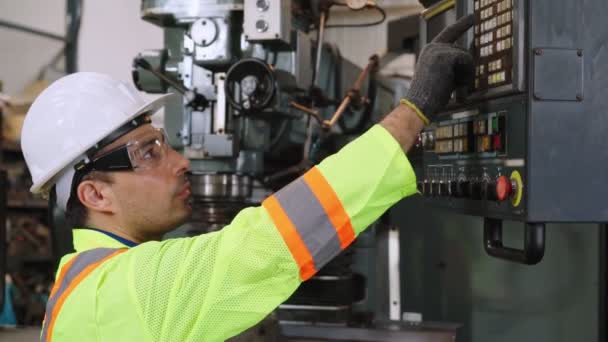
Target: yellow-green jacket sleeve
370, 175
214, 286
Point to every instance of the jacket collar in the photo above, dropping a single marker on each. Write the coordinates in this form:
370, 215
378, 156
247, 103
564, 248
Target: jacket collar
90, 238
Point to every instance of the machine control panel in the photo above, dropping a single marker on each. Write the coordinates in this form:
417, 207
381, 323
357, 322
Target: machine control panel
493, 43
474, 159
523, 143
480, 134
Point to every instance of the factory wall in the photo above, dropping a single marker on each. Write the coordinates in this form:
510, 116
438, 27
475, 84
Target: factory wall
22, 54
111, 34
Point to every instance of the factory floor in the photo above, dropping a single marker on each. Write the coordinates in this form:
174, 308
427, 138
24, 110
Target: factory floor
27, 334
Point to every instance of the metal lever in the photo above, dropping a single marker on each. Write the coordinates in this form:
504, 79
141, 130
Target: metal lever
320, 39
194, 99
313, 113
534, 242
352, 96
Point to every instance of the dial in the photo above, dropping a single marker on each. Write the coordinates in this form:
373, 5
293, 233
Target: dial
262, 5
261, 25
249, 85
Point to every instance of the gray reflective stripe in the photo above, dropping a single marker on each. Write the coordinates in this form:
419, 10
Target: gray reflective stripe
311, 221
81, 261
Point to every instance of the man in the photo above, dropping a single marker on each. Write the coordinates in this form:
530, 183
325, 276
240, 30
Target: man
89, 139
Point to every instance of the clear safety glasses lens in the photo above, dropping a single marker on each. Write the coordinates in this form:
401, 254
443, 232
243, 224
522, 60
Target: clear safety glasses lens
148, 152
145, 153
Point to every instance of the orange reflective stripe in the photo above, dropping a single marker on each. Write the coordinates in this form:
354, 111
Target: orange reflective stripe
311, 220
77, 280
332, 205
291, 237
64, 271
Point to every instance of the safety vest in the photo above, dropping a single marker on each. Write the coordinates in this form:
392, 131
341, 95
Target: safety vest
214, 286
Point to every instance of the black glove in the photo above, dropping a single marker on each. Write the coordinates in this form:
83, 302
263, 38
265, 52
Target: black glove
442, 67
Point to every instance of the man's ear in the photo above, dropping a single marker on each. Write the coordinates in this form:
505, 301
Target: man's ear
96, 195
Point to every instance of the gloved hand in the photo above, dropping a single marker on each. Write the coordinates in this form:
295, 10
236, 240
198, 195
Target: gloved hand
442, 67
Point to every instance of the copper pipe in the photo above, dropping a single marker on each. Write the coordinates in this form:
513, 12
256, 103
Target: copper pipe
353, 92
372, 64
314, 113
327, 124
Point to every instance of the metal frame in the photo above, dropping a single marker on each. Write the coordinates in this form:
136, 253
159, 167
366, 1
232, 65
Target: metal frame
396, 331
74, 16
437, 9
430, 13
603, 281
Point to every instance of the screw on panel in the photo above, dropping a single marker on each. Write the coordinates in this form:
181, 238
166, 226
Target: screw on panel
579, 53
579, 97
538, 52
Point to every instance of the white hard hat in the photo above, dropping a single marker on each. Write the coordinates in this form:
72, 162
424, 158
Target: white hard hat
72, 115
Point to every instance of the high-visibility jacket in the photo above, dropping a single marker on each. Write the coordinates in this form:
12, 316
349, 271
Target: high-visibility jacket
214, 286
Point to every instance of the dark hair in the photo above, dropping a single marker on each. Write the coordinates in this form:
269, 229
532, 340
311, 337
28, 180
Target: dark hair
76, 214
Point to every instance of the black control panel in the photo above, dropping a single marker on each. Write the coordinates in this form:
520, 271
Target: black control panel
527, 142
474, 160
474, 156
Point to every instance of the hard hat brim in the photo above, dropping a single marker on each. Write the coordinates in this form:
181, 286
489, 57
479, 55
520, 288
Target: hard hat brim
151, 107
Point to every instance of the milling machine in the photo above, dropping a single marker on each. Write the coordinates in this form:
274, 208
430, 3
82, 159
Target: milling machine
255, 98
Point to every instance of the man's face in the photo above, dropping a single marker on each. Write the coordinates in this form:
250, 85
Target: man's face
153, 200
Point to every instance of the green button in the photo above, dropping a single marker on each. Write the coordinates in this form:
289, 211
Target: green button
495, 124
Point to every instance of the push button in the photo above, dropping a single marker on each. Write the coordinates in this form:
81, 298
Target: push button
503, 188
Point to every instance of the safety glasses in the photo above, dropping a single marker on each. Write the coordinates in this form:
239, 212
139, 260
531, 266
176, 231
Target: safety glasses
143, 153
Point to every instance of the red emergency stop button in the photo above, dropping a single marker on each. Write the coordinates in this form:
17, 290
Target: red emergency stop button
504, 188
